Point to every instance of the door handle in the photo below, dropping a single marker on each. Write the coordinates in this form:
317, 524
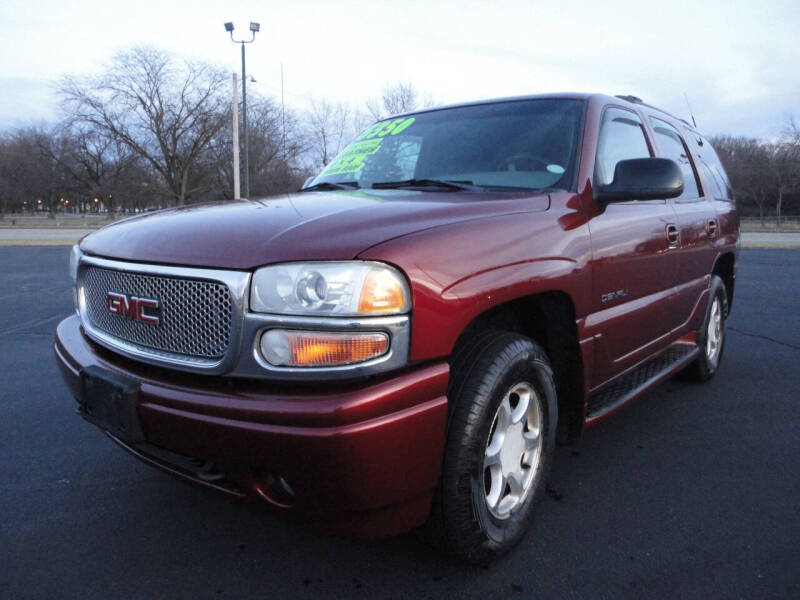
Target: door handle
672, 235
711, 227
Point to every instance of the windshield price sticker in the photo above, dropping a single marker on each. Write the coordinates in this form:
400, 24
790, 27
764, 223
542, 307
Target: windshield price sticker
351, 160
385, 128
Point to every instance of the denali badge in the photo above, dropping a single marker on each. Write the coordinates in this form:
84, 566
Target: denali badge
614, 296
146, 310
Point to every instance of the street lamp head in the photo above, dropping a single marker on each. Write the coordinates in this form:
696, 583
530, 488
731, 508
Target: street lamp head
229, 27
254, 27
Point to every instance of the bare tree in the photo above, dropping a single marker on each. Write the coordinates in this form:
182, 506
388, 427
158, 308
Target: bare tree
328, 129
7, 190
791, 131
276, 144
164, 110
788, 163
396, 98
33, 168
786, 171
748, 162
98, 166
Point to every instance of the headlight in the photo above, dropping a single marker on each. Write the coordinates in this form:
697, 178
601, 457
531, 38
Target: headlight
74, 259
330, 288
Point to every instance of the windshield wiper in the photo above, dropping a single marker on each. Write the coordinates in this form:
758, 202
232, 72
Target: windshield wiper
449, 184
330, 185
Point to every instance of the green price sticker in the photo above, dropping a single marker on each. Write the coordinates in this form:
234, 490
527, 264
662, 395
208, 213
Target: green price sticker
384, 128
352, 158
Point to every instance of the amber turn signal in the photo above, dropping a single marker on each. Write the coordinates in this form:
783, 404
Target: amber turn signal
287, 348
383, 292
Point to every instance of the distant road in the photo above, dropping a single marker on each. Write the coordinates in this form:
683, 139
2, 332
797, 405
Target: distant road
40, 236
771, 240
17, 236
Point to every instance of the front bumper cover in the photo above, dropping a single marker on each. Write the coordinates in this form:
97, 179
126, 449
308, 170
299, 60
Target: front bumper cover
361, 459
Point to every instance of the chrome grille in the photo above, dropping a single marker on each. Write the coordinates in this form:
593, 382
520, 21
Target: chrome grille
196, 315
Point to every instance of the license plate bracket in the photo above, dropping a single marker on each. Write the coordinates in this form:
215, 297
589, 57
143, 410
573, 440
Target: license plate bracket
111, 402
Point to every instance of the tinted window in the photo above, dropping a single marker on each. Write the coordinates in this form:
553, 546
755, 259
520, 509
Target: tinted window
714, 182
671, 145
621, 138
520, 144
710, 162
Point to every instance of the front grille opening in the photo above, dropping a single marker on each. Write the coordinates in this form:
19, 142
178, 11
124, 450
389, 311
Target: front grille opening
196, 316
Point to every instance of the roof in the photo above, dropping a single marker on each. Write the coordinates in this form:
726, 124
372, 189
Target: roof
633, 101
565, 96
626, 99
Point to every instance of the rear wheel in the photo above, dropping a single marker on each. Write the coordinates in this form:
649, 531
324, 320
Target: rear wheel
711, 336
499, 446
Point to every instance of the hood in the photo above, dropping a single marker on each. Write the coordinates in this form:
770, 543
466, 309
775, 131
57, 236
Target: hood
304, 226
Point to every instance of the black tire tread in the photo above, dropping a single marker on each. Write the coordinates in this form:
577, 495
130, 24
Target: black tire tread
480, 359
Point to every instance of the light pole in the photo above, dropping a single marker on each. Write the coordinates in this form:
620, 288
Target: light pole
235, 113
254, 28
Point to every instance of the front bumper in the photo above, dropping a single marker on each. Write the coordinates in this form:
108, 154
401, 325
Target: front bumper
360, 459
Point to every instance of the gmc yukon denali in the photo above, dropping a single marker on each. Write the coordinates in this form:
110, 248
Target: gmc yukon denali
401, 343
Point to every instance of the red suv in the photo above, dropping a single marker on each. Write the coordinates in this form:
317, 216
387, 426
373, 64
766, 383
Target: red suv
402, 341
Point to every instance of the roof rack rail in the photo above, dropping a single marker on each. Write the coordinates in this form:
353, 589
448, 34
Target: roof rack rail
634, 99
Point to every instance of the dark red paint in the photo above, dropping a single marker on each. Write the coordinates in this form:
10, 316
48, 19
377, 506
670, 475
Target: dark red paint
368, 450
370, 453
304, 226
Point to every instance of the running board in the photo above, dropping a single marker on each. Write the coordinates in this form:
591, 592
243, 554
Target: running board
627, 387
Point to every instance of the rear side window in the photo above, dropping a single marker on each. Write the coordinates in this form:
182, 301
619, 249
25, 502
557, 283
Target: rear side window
671, 145
621, 138
711, 164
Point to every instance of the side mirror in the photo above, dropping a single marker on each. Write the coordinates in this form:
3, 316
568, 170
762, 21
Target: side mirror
643, 179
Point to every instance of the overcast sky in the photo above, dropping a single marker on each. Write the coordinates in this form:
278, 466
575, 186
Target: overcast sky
738, 61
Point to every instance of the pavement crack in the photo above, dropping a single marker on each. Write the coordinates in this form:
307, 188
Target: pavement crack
765, 337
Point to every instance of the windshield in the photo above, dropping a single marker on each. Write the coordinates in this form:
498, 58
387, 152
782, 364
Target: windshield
514, 144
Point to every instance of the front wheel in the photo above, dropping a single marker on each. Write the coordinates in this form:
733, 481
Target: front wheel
499, 446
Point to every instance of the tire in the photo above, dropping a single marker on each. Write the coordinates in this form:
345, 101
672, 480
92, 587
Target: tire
706, 364
503, 412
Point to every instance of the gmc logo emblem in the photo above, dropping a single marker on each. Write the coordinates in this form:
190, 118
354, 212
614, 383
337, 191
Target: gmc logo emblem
146, 310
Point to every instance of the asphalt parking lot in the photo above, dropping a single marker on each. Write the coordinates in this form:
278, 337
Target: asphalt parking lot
692, 491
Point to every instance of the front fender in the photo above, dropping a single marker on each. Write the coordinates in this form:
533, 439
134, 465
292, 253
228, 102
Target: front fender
461, 271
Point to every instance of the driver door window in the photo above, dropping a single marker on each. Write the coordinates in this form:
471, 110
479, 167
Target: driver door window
621, 138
